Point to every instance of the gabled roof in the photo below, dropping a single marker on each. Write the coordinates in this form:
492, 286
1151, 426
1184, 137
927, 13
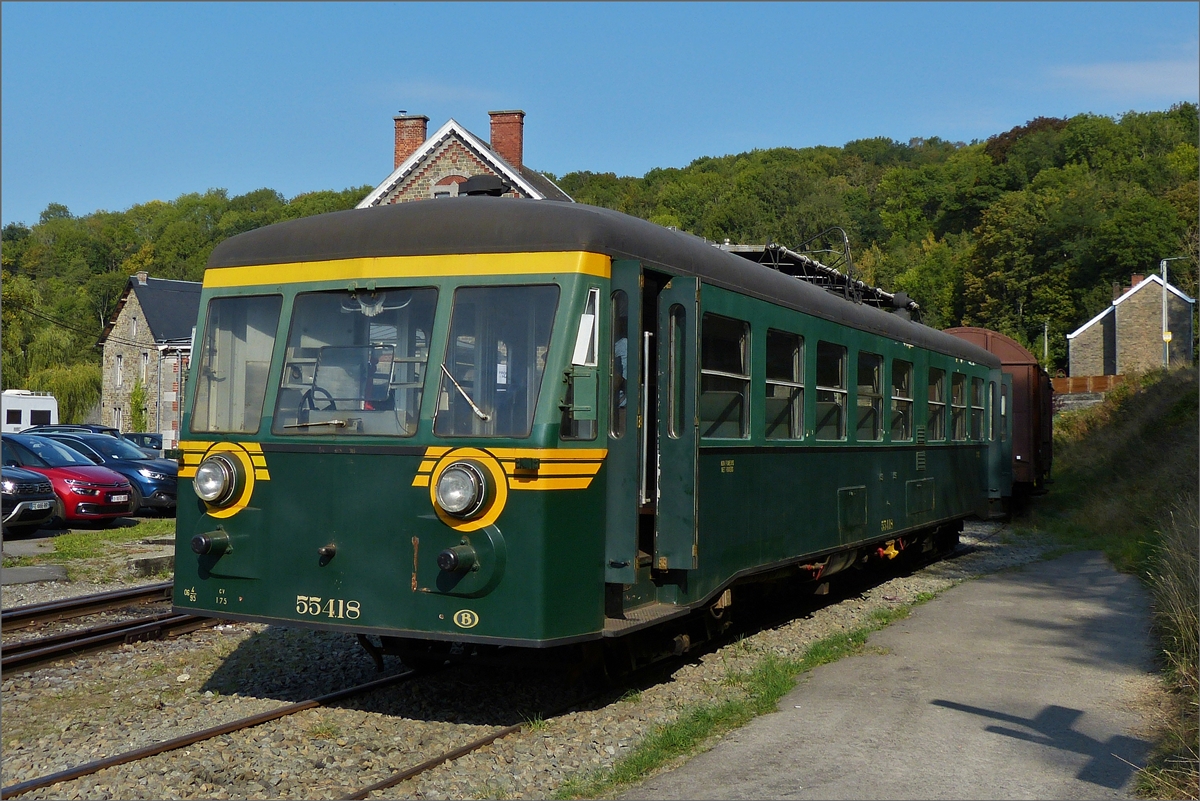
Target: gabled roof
170, 307
530, 182
1150, 279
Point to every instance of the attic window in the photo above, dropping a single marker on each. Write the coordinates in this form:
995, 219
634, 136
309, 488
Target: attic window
135, 328
446, 187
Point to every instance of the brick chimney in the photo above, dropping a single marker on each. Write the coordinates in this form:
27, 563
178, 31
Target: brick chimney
1136, 279
143, 277
508, 135
410, 135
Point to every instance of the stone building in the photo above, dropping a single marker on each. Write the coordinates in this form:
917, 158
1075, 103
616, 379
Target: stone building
434, 166
148, 340
1127, 336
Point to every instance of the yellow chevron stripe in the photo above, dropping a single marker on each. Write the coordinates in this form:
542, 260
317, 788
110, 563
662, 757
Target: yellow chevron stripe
421, 481
262, 475
563, 454
187, 472
555, 469
519, 483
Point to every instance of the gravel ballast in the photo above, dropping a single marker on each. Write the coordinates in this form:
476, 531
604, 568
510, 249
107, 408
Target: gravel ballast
108, 703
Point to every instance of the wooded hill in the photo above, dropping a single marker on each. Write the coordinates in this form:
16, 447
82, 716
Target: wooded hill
1034, 224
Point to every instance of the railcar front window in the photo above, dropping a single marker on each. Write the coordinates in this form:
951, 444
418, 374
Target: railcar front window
831, 391
235, 356
724, 377
870, 397
355, 363
937, 404
785, 388
495, 359
958, 406
902, 403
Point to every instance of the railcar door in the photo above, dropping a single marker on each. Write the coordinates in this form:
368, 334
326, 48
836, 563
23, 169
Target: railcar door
625, 424
675, 535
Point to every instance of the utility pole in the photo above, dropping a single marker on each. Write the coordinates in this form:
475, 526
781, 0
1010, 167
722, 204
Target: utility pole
1046, 342
1166, 332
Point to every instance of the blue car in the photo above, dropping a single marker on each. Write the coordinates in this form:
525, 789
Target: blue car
154, 481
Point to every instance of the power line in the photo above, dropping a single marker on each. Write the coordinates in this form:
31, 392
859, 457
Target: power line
61, 324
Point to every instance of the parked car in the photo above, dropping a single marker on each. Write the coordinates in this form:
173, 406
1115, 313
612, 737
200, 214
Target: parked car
154, 481
28, 500
86, 491
151, 444
72, 428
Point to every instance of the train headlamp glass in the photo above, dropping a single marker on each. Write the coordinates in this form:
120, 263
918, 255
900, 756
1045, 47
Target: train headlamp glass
216, 479
462, 489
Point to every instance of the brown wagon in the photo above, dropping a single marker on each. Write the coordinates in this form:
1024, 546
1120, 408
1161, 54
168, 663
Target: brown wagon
1032, 407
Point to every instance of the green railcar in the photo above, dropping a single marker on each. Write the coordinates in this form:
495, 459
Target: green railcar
495, 421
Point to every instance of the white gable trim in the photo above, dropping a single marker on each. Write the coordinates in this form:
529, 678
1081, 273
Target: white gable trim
484, 152
1150, 279
1155, 279
1090, 323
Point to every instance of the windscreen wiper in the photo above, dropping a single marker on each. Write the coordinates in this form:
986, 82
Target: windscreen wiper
482, 415
338, 423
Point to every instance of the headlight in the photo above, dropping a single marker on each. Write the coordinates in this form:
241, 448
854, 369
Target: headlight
462, 489
9, 486
216, 480
150, 474
82, 487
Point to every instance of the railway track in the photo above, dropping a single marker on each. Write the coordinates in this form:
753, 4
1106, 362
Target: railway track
22, 617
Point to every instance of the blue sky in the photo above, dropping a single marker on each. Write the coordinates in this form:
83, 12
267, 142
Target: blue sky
105, 105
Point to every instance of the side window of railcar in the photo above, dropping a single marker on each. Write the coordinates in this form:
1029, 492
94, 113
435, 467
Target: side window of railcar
991, 435
355, 363
937, 405
977, 408
831, 391
618, 413
958, 406
495, 359
902, 403
869, 425
724, 377
586, 353
1003, 413
785, 386
239, 335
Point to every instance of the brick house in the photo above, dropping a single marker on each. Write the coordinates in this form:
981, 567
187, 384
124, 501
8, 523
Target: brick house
1127, 336
148, 339
434, 166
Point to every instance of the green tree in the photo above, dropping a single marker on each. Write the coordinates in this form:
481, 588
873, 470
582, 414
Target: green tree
137, 403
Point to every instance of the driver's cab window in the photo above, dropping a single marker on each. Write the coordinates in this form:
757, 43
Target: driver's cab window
355, 362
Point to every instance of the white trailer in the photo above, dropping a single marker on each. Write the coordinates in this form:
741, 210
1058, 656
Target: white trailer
23, 408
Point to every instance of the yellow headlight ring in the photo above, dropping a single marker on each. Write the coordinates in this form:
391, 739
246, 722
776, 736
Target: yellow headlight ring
499, 483
243, 499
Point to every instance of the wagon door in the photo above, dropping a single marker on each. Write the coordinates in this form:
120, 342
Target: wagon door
625, 422
675, 543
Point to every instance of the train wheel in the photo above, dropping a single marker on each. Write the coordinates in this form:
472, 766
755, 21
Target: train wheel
421, 655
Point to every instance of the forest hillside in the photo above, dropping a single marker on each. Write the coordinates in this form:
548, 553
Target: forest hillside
1034, 224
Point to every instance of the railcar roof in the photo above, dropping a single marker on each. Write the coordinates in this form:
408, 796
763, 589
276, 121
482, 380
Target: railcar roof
506, 225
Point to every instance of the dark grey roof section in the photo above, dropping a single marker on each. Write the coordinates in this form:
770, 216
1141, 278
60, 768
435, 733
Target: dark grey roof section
170, 307
541, 183
507, 225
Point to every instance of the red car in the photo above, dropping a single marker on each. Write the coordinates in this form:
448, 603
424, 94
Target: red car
87, 491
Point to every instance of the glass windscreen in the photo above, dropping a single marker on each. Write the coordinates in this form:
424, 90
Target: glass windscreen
48, 453
235, 357
117, 449
495, 358
355, 363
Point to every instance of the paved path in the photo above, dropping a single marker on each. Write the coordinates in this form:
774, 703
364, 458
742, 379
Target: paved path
1017, 685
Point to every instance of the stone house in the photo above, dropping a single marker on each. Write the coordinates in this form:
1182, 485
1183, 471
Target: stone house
433, 166
148, 340
1128, 335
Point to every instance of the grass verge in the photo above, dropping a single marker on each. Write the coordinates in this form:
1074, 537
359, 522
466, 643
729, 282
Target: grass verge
1126, 483
98, 555
761, 688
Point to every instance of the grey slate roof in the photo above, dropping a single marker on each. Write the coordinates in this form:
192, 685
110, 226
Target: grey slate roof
170, 306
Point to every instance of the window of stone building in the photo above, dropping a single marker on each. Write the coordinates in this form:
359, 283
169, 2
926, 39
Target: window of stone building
133, 326
446, 187
117, 417
145, 365
119, 367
